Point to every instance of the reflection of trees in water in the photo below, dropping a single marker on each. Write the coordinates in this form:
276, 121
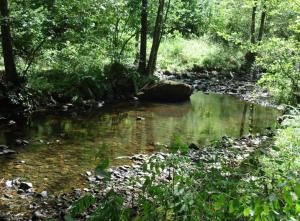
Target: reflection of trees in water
242, 130
251, 118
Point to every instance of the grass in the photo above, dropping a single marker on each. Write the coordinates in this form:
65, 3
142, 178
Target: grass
179, 55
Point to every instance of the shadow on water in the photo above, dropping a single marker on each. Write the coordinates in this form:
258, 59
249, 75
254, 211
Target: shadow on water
63, 147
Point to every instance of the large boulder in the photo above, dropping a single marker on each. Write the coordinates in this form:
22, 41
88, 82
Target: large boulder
166, 91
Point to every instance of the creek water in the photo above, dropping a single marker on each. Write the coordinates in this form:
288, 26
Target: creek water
62, 148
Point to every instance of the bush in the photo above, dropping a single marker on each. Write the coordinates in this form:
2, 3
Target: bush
280, 59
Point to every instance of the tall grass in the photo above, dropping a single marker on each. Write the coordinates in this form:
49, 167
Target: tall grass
178, 55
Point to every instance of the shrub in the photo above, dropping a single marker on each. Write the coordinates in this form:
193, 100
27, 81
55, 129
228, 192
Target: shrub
280, 59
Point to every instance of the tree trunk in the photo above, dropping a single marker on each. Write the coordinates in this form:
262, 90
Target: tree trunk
250, 56
143, 44
253, 23
9, 62
156, 38
262, 23
137, 48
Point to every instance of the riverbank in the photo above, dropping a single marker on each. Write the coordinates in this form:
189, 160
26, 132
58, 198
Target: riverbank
20, 200
228, 151
242, 87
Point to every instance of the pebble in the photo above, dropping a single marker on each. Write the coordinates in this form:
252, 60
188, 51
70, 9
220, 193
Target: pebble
92, 179
43, 194
88, 173
9, 184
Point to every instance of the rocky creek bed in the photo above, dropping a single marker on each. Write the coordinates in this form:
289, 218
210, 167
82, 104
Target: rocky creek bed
242, 87
18, 195
20, 201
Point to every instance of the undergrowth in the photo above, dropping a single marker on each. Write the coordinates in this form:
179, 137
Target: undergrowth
264, 186
178, 54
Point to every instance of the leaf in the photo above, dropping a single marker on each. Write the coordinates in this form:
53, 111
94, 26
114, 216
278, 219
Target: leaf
101, 169
247, 212
82, 204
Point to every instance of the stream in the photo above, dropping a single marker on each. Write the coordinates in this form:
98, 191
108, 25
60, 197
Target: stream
62, 148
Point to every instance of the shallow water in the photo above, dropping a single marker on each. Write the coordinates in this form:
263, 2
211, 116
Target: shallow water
64, 147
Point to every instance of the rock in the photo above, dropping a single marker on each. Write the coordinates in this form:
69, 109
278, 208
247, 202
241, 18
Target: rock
99, 178
137, 158
7, 152
7, 196
20, 191
9, 184
3, 147
25, 186
37, 215
140, 118
167, 91
88, 173
193, 146
11, 122
91, 179
43, 194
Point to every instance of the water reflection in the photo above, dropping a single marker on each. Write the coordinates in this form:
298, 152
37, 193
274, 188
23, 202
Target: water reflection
63, 147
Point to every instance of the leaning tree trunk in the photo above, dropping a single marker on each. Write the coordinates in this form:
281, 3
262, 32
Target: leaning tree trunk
156, 38
143, 43
7, 49
262, 23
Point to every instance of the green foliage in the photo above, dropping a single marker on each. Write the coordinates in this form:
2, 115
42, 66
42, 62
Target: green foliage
102, 167
264, 186
111, 209
177, 145
82, 204
281, 58
178, 55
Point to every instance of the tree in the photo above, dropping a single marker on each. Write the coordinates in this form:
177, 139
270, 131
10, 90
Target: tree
262, 22
250, 56
156, 37
9, 62
143, 43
